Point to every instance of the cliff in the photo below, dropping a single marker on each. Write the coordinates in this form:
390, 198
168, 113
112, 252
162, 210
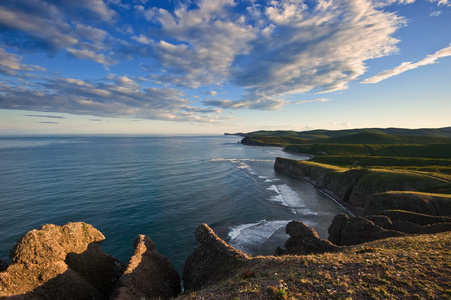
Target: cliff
66, 262
372, 189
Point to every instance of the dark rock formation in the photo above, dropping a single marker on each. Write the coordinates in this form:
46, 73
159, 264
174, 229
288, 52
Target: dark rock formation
98, 268
149, 274
213, 260
345, 231
304, 240
424, 203
60, 262
3, 265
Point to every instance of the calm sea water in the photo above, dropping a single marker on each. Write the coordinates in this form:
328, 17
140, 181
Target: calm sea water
163, 187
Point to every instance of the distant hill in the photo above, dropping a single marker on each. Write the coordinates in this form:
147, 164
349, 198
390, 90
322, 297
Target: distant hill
324, 134
374, 137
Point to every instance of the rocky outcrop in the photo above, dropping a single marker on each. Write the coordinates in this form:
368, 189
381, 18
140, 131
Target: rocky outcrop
66, 262
304, 240
149, 274
345, 231
213, 260
61, 262
352, 231
425, 203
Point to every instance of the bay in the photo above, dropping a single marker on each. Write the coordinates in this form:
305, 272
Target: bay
163, 187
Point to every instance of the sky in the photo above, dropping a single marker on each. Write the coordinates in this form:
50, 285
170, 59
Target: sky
150, 67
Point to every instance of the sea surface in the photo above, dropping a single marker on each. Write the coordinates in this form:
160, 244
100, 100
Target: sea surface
163, 187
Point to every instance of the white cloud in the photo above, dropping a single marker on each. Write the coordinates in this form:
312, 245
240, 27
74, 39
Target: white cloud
309, 101
406, 66
283, 47
87, 54
10, 63
208, 40
116, 96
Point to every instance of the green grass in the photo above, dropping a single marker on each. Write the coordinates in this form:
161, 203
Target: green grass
395, 268
272, 141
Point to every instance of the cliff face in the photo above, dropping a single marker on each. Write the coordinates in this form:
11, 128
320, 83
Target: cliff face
373, 189
337, 181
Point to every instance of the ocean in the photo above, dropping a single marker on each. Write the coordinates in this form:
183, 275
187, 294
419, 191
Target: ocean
163, 187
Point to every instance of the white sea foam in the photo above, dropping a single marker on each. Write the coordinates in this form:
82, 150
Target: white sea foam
246, 237
249, 237
288, 197
265, 178
241, 163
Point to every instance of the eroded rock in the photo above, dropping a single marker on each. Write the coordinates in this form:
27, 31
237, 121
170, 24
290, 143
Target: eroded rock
304, 240
60, 262
149, 274
211, 261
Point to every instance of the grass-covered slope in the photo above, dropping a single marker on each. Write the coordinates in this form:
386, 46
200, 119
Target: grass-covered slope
323, 134
414, 267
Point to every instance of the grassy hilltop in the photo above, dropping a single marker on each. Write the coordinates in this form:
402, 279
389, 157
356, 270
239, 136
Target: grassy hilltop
393, 159
414, 267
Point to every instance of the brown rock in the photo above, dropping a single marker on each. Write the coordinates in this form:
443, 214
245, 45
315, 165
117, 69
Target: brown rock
52, 243
149, 274
39, 269
304, 240
213, 260
98, 268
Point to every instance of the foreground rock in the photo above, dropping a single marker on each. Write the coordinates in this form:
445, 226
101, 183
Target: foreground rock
212, 261
60, 262
304, 240
149, 274
66, 262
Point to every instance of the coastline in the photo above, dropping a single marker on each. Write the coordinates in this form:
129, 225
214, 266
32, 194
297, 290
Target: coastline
353, 210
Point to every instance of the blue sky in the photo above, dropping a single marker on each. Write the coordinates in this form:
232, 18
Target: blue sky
209, 67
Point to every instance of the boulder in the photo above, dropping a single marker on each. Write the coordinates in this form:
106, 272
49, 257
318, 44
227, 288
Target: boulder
345, 231
149, 274
213, 260
60, 262
304, 240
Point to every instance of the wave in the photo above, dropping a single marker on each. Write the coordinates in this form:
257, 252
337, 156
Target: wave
249, 237
289, 198
241, 164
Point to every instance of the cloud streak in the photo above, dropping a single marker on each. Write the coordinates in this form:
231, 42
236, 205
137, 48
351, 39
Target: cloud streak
407, 66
